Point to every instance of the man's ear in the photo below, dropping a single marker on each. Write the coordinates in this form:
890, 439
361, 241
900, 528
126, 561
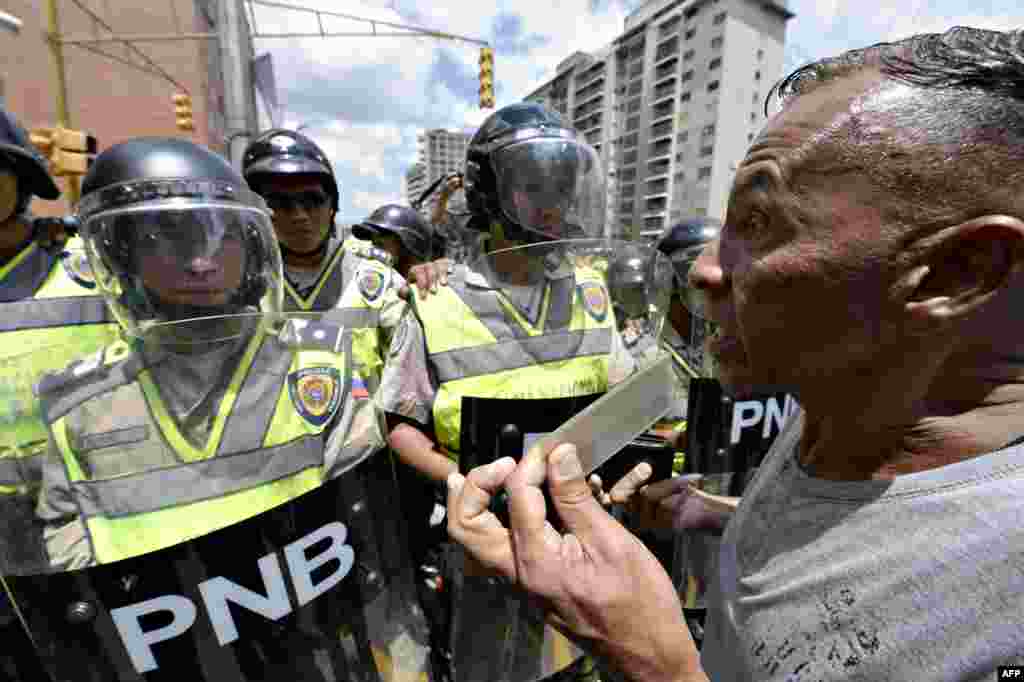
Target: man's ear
961, 268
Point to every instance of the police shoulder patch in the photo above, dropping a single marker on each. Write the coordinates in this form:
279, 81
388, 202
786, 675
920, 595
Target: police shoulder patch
76, 265
316, 393
594, 299
371, 282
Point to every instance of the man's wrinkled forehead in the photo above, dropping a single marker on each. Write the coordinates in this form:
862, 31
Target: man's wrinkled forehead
810, 123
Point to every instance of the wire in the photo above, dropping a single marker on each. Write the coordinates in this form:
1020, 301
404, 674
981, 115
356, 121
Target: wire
156, 67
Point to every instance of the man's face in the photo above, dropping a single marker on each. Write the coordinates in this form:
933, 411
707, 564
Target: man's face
799, 280
389, 243
302, 211
190, 265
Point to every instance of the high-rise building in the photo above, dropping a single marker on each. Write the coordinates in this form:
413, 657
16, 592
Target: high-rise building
672, 104
440, 152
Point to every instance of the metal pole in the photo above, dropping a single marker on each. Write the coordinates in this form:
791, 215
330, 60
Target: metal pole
63, 115
235, 64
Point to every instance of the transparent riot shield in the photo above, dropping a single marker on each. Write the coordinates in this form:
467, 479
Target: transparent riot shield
521, 341
215, 503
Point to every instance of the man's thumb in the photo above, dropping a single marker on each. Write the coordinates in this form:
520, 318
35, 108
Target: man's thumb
573, 499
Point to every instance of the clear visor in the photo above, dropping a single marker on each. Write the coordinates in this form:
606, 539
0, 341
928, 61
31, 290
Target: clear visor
553, 187
173, 260
692, 297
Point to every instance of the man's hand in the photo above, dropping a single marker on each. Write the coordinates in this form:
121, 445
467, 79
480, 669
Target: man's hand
427, 276
453, 184
673, 504
604, 587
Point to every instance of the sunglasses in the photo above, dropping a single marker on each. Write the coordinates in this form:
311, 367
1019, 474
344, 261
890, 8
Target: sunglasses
289, 202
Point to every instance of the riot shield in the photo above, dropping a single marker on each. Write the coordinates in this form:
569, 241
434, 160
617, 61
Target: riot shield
531, 337
727, 438
215, 503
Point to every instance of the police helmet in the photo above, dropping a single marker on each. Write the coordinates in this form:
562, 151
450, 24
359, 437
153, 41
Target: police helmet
404, 222
526, 170
682, 243
28, 166
630, 277
161, 207
286, 152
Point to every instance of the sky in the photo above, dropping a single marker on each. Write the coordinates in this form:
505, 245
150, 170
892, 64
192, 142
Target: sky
364, 100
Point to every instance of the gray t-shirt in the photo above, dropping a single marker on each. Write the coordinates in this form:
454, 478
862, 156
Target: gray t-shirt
918, 578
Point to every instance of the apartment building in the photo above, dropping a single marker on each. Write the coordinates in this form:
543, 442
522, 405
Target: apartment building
672, 104
440, 152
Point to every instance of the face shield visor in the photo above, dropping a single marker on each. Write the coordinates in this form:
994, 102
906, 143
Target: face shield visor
170, 258
552, 187
691, 297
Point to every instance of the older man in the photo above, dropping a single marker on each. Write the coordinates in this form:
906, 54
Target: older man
871, 264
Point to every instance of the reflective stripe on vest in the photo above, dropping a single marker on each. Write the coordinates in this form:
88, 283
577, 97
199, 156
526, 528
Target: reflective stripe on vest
268, 454
326, 291
56, 322
477, 348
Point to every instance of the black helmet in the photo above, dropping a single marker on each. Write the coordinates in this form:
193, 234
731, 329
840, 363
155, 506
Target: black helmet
682, 243
286, 152
405, 223
526, 170
630, 275
28, 165
170, 199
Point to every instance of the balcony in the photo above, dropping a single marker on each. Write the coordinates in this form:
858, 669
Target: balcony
667, 49
656, 151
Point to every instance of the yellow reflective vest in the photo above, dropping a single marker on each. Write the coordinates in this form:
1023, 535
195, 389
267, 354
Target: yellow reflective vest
124, 480
358, 290
480, 345
51, 315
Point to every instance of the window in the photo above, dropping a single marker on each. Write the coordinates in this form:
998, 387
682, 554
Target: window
715, 63
691, 13
707, 151
719, 19
704, 173
757, 75
633, 106
712, 86
679, 156
717, 42
683, 136
687, 76
753, 117
632, 124
690, 34
757, 98
685, 97
708, 130
628, 190
750, 137
635, 87
688, 55
760, 54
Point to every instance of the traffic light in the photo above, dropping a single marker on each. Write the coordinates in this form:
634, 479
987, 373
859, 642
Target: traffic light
486, 78
183, 112
70, 152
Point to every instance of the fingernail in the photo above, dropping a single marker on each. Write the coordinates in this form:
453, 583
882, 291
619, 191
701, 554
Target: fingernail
455, 481
645, 470
568, 464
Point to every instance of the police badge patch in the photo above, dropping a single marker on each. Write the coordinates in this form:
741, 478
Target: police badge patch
316, 393
595, 301
76, 265
371, 284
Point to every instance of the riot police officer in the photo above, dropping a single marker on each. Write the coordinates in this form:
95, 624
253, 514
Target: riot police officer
220, 437
401, 232
47, 300
628, 281
528, 321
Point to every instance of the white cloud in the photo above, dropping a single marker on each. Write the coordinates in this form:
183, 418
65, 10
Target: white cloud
367, 202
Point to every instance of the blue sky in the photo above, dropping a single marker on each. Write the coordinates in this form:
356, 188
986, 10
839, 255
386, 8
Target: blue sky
364, 100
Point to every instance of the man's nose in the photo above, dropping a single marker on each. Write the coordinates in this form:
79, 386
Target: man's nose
706, 274
201, 265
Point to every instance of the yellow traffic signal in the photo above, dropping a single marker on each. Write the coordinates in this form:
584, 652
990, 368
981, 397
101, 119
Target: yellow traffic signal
486, 78
70, 152
183, 112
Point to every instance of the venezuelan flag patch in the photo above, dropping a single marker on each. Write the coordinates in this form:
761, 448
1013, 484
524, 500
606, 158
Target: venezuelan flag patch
595, 300
359, 389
